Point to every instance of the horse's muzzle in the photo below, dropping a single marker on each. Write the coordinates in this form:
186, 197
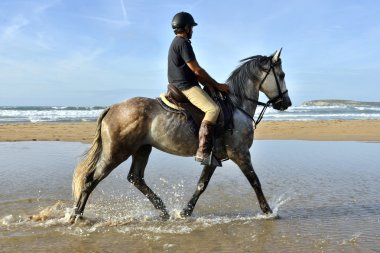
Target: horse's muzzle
282, 103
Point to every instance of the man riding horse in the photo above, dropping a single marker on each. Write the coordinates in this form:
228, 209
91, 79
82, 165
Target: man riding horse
185, 73
132, 128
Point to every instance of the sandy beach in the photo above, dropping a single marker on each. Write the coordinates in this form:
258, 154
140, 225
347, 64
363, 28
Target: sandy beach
332, 130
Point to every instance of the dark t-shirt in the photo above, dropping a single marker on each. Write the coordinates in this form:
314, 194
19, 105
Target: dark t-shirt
179, 73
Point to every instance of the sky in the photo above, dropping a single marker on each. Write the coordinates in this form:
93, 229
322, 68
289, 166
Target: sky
100, 52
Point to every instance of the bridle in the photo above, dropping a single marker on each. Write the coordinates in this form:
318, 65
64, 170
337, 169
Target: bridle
279, 98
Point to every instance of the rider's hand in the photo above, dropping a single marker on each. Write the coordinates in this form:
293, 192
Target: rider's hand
222, 87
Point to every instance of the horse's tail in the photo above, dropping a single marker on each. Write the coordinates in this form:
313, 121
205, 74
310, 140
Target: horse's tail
89, 161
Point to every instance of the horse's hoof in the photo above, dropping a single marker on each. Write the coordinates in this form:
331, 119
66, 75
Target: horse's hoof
165, 216
266, 209
74, 218
185, 213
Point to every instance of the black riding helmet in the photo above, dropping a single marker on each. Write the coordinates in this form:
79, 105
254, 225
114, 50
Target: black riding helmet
181, 20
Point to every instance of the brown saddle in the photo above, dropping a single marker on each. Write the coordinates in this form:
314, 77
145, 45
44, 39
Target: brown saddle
176, 97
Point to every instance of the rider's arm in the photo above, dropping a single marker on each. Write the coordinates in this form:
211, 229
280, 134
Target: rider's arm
204, 78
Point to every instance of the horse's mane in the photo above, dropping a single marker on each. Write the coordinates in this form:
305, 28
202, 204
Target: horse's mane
250, 68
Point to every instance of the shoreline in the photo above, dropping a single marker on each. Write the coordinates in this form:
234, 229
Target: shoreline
328, 130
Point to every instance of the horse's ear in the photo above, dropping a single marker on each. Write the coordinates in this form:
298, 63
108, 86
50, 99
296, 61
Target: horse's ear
276, 56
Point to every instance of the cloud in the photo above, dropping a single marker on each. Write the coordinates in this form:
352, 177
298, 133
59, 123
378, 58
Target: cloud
26, 16
16, 25
194, 5
80, 59
124, 21
42, 8
125, 17
108, 20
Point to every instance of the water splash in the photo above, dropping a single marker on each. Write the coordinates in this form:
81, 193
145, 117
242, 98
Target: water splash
48, 212
7, 220
352, 240
275, 204
131, 216
49, 216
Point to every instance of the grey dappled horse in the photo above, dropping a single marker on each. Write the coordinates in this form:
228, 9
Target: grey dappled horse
133, 127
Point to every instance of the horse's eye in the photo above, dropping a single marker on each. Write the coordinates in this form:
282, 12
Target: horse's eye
282, 75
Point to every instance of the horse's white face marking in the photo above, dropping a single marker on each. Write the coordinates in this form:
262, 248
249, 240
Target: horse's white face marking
269, 87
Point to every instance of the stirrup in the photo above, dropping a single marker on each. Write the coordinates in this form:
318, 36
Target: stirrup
210, 160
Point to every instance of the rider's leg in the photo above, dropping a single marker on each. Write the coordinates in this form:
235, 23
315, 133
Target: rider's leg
200, 99
204, 102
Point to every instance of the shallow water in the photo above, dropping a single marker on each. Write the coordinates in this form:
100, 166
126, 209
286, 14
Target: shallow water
326, 194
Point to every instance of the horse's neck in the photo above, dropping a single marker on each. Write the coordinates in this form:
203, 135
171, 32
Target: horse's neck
252, 93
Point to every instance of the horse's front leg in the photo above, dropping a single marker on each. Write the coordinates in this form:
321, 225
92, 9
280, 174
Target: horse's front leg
207, 172
243, 160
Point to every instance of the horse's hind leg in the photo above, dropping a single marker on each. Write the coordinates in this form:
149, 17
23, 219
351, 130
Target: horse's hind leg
206, 175
92, 179
136, 177
244, 162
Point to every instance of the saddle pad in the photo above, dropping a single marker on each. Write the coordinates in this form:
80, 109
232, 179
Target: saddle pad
168, 103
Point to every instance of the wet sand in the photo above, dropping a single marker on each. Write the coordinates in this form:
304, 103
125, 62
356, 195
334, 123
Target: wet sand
325, 193
332, 130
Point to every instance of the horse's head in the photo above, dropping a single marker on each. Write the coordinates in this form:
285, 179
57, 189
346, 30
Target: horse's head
273, 82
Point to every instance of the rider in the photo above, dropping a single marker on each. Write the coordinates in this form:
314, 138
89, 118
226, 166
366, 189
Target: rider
184, 72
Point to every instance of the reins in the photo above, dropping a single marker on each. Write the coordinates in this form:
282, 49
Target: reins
261, 115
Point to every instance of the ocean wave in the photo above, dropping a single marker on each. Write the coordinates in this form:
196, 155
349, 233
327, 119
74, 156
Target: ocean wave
14, 114
322, 116
49, 114
340, 102
51, 108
